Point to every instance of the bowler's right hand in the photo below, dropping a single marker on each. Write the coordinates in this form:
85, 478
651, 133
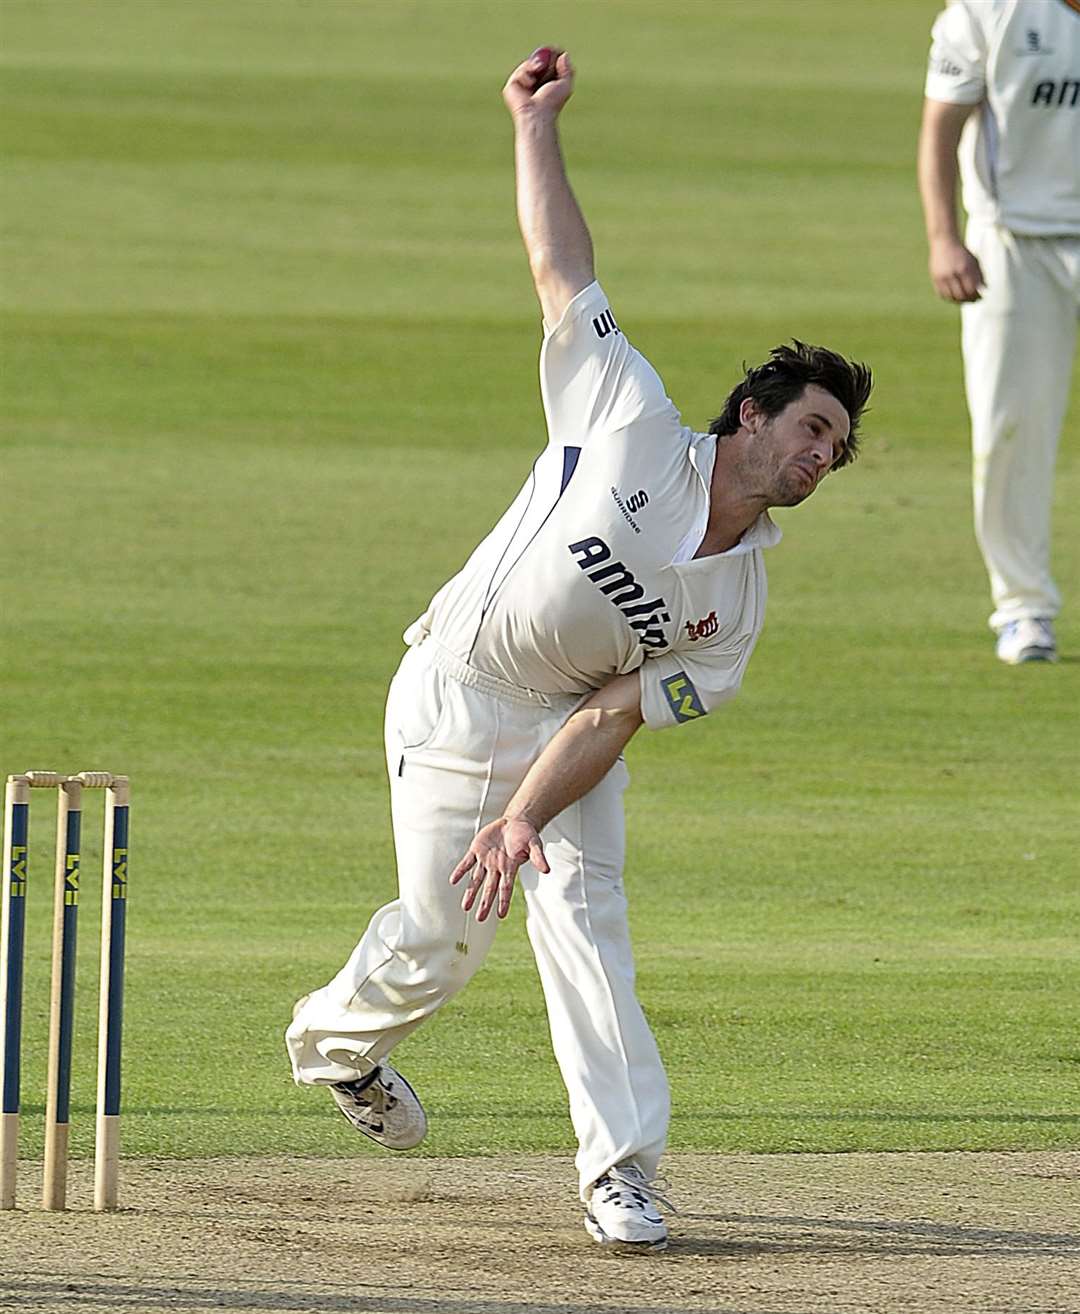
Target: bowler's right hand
544, 83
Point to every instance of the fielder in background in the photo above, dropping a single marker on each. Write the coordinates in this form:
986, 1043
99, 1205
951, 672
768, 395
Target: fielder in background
624, 586
1004, 86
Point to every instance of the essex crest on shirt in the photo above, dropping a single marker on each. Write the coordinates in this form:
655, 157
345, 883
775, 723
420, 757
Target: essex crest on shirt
704, 628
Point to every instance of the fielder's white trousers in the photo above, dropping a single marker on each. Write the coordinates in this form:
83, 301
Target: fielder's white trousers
457, 745
1018, 346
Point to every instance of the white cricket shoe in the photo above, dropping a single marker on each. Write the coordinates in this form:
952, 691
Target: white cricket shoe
1027, 641
383, 1106
623, 1210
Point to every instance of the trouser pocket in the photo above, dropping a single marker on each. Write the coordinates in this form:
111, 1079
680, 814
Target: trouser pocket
416, 709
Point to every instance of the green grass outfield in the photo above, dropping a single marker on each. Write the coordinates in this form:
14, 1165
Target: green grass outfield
270, 373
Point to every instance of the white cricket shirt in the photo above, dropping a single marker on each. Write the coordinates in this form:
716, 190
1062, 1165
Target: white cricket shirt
587, 574
1019, 61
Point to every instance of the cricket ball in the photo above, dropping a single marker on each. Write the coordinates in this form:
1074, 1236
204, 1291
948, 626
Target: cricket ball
546, 59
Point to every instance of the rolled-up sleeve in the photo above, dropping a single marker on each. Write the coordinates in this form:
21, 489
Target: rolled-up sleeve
679, 688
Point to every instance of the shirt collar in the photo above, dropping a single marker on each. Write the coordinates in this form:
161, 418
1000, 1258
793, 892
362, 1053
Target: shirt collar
764, 532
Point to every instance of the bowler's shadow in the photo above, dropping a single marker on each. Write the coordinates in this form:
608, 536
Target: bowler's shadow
781, 1234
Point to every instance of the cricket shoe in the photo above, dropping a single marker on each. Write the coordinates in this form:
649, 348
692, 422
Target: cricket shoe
1029, 640
623, 1210
383, 1106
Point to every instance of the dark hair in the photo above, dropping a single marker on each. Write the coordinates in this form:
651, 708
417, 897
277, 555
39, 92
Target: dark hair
784, 377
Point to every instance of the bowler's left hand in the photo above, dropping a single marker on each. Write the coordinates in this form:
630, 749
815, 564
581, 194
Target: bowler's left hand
494, 857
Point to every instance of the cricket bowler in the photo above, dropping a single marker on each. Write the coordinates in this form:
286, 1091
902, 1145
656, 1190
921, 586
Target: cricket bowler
624, 586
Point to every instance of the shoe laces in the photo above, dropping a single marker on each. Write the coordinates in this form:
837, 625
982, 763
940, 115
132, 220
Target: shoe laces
1041, 625
627, 1178
373, 1093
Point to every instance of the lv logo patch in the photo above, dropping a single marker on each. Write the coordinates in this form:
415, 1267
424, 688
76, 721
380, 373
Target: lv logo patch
683, 697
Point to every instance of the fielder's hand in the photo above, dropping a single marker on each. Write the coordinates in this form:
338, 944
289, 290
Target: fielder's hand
545, 82
496, 854
954, 271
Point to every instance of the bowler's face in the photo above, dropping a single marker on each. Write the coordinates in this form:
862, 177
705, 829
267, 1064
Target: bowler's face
805, 440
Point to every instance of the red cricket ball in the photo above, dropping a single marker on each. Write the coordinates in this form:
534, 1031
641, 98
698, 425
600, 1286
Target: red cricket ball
545, 60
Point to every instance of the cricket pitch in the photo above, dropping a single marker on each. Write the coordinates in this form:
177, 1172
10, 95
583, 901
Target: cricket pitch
757, 1234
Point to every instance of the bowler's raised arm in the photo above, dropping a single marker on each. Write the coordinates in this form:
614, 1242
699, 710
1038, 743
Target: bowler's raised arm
552, 226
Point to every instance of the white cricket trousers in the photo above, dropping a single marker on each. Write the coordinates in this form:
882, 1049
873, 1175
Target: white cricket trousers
457, 745
1018, 345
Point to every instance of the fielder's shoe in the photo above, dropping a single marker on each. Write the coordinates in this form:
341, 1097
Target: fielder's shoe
1027, 641
383, 1106
623, 1210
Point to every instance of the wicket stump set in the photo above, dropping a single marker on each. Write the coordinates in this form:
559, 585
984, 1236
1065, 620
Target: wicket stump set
62, 998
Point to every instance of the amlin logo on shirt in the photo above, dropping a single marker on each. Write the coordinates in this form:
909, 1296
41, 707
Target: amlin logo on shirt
618, 584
